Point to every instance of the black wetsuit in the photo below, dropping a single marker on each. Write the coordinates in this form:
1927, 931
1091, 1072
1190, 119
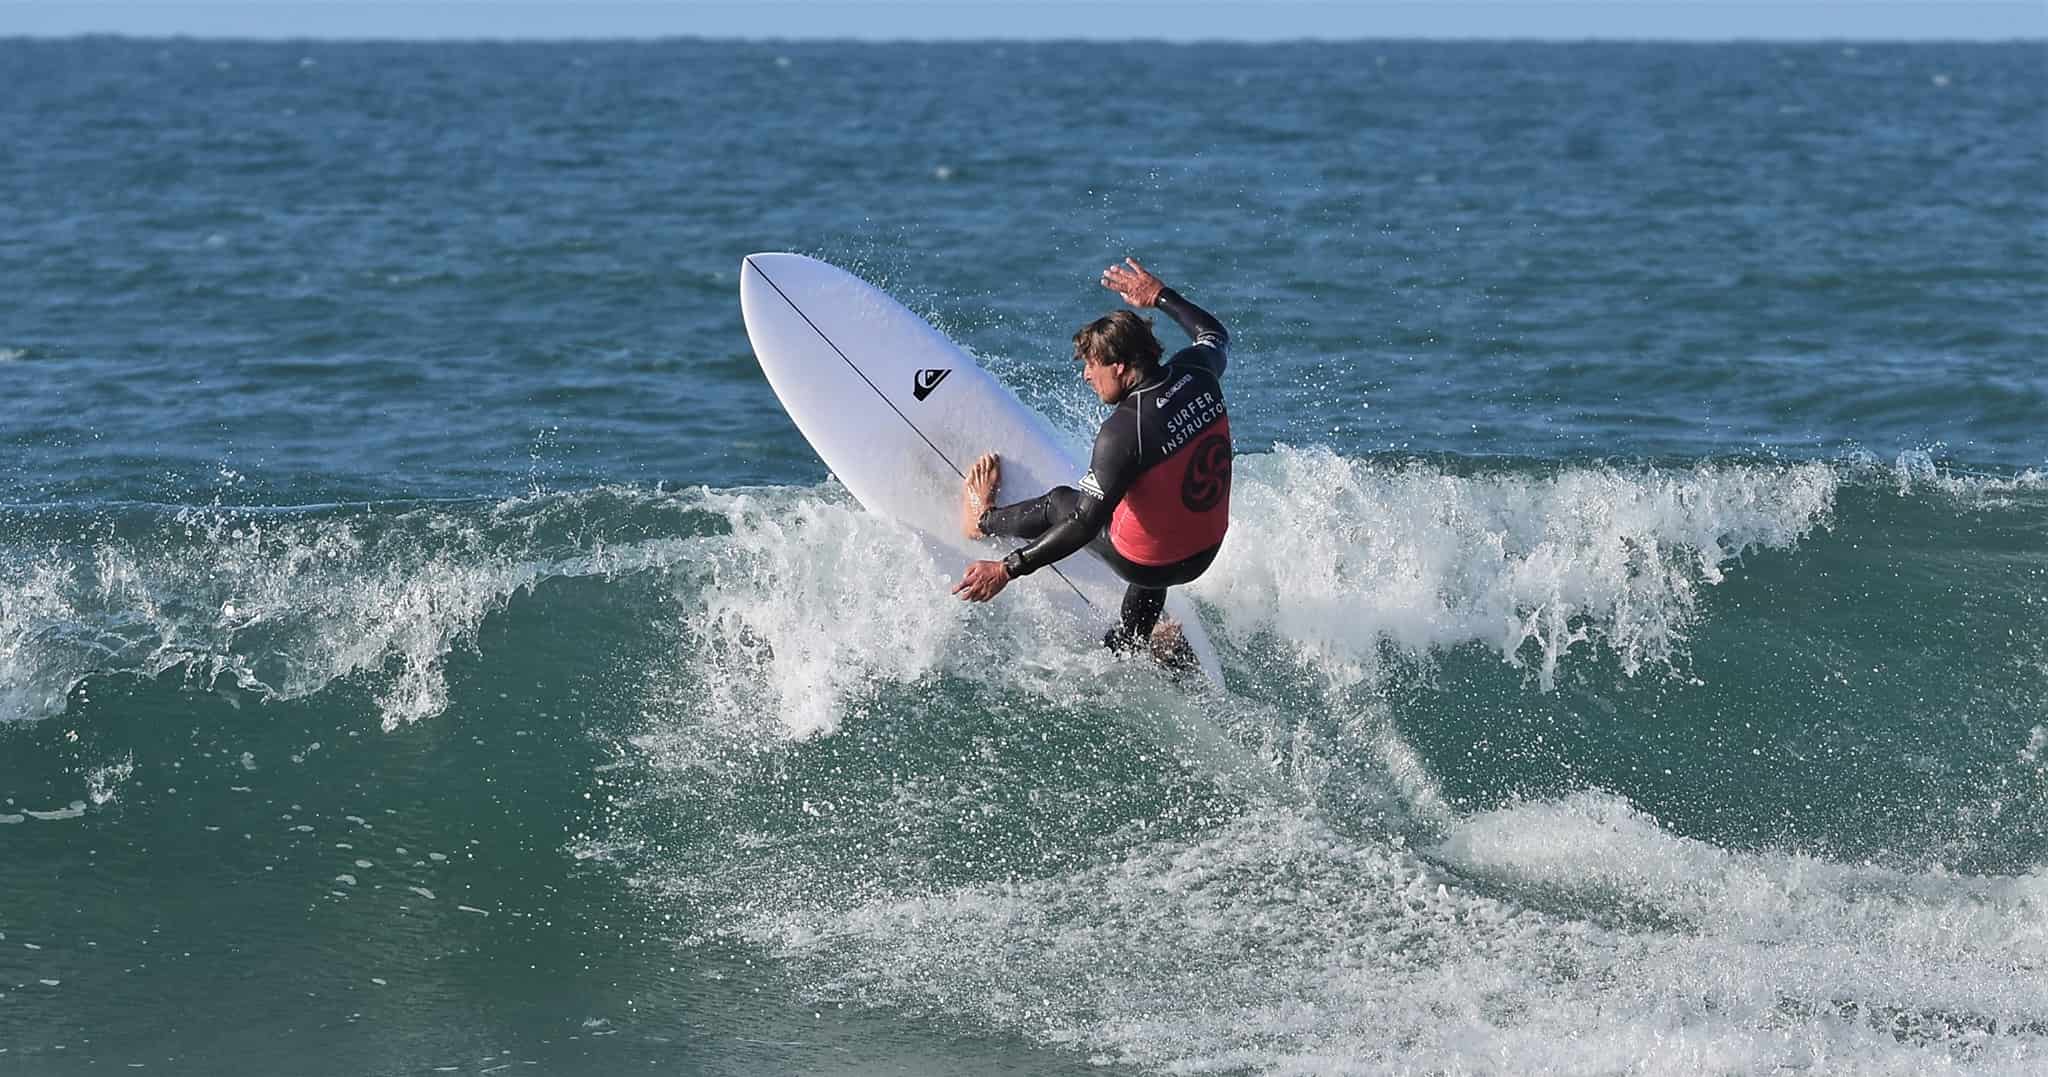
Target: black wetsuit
1156, 499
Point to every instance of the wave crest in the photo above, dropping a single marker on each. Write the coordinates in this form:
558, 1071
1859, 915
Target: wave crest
1337, 555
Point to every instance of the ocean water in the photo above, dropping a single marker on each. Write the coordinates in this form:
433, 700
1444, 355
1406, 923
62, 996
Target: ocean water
426, 647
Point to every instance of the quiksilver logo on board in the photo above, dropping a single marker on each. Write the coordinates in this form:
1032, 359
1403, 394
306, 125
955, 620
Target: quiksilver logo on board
926, 380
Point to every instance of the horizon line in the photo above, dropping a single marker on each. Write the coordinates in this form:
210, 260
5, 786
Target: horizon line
969, 39
1235, 22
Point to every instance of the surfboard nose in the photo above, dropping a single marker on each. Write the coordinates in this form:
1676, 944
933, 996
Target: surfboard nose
756, 287
760, 272
767, 261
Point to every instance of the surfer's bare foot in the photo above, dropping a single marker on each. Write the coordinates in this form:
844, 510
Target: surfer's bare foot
1170, 646
977, 493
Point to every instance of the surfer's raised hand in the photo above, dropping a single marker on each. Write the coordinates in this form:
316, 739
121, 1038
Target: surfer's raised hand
983, 581
1132, 281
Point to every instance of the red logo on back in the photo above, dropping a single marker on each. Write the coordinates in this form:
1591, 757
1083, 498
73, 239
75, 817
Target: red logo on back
1208, 474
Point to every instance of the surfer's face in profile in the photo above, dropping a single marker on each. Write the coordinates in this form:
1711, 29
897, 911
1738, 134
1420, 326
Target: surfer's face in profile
1114, 351
1107, 379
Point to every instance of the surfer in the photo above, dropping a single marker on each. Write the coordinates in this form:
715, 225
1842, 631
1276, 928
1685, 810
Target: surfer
1156, 499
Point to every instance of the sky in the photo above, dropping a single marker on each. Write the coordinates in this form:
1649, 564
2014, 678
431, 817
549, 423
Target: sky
1244, 20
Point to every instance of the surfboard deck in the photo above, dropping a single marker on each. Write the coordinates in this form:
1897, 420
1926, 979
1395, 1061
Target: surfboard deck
898, 412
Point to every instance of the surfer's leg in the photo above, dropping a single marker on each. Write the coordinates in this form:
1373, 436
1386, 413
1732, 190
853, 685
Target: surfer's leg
1030, 519
1142, 607
1142, 627
978, 492
1145, 600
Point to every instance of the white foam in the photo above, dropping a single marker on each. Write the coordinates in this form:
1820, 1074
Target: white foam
1567, 936
101, 782
811, 603
2037, 739
807, 602
72, 811
1275, 946
1917, 470
286, 605
1339, 556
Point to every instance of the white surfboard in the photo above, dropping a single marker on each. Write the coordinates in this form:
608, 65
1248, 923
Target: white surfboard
899, 412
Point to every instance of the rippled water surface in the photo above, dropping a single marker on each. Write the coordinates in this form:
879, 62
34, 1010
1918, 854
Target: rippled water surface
425, 644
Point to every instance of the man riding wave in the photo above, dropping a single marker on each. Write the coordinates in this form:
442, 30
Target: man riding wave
1155, 502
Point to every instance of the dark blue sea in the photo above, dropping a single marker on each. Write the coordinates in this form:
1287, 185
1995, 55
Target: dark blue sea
426, 646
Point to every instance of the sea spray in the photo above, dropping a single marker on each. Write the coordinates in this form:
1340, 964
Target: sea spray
1352, 917
283, 603
809, 600
1342, 555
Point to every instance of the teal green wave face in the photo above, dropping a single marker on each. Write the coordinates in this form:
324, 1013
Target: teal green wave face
597, 760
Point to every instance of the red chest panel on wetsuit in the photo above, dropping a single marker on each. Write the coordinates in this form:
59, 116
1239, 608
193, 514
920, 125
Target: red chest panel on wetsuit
1180, 505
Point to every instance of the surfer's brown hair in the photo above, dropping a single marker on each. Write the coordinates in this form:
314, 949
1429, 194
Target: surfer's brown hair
1122, 337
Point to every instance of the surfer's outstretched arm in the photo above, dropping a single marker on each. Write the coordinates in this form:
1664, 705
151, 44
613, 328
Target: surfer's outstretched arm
1200, 326
1140, 288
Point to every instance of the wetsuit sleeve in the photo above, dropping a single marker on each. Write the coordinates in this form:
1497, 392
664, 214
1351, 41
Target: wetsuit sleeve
1111, 471
1210, 338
